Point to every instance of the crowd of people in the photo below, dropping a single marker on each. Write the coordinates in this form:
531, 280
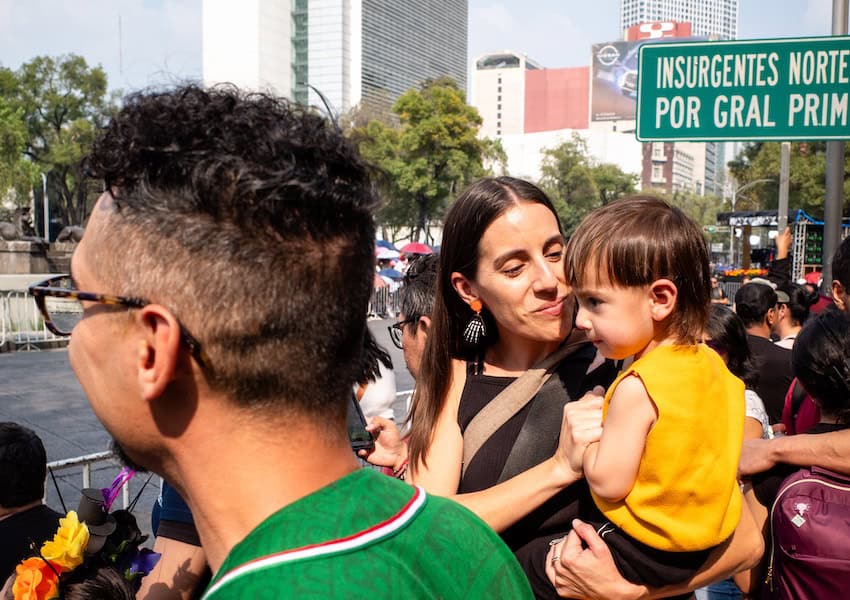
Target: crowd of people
591, 417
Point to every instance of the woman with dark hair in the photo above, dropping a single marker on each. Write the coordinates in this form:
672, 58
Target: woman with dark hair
726, 334
494, 422
809, 549
375, 387
502, 305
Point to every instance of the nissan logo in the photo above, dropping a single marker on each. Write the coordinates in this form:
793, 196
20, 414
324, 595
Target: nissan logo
608, 55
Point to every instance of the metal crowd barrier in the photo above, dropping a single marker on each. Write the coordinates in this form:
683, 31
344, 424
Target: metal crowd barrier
383, 303
731, 288
21, 322
86, 462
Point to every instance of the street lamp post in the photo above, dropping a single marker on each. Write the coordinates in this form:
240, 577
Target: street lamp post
734, 198
46, 209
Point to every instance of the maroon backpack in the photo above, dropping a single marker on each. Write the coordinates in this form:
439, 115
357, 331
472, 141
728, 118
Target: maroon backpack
810, 537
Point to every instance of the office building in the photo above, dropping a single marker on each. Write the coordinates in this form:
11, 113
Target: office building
498, 92
712, 18
354, 52
715, 19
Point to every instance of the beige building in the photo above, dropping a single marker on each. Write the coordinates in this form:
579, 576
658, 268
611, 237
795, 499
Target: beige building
498, 92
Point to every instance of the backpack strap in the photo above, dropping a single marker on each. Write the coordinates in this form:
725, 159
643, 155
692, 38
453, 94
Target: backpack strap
798, 395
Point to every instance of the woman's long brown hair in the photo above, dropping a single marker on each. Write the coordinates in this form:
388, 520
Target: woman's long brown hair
464, 226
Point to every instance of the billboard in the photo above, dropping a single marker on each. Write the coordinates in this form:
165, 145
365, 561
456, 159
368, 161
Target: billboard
613, 74
614, 78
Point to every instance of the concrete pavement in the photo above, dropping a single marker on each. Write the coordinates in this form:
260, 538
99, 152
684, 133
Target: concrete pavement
41, 392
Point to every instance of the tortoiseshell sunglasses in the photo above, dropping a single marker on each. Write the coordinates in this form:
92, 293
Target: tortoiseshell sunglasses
62, 308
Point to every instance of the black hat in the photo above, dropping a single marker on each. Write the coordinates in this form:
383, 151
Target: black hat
92, 511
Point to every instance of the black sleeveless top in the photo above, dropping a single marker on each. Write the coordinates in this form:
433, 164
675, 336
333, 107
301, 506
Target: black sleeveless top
529, 537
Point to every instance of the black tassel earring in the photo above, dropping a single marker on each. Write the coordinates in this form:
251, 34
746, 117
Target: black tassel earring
475, 330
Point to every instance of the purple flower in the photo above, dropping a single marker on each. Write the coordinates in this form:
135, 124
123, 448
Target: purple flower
144, 561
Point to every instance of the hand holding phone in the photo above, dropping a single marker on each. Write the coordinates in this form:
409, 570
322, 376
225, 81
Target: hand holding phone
358, 436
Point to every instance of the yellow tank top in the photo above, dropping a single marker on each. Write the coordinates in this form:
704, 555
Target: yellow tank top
686, 494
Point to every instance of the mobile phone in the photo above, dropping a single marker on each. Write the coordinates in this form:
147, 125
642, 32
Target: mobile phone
358, 437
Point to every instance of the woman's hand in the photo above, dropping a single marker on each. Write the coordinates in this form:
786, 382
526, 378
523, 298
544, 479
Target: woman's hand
755, 458
581, 426
390, 450
579, 572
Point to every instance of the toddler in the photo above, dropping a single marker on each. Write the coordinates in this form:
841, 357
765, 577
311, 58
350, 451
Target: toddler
663, 474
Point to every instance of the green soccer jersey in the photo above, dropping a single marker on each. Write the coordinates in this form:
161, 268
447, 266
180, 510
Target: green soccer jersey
370, 536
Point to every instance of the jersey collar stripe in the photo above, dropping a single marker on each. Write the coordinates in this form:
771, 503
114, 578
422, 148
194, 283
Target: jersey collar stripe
346, 544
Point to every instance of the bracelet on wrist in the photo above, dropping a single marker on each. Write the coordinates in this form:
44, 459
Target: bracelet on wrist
401, 470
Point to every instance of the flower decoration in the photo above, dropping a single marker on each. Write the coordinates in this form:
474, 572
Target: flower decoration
37, 577
745, 273
90, 535
35, 580
65, 550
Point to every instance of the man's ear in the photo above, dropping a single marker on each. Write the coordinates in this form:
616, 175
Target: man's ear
839, 294
464, 287
158, 350
663, 294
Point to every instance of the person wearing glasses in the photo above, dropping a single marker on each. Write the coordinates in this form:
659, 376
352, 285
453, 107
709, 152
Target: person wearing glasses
416, 300
219, 351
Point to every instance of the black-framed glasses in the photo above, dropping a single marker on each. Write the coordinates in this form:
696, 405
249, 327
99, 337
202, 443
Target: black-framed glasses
61, 307
397, 331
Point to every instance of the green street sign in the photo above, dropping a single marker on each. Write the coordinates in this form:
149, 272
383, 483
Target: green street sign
782, 89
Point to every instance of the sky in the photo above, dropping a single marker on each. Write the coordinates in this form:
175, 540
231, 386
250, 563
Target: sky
153, 42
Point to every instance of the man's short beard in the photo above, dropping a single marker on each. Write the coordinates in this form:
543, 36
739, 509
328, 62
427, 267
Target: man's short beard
123, 458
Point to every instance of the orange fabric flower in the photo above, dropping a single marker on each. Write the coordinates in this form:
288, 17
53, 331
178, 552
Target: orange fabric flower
66, 548
35, 580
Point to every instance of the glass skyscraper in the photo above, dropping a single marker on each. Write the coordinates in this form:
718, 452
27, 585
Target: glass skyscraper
354, 52
707, 17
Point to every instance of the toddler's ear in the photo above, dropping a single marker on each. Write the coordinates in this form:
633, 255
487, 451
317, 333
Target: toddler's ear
663, 294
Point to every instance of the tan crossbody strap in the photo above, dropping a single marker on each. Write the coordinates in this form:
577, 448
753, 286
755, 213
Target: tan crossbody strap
514, 397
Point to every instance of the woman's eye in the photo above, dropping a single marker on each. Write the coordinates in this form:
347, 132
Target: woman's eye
512, 271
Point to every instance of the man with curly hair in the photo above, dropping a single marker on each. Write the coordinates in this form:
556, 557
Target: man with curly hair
235, 239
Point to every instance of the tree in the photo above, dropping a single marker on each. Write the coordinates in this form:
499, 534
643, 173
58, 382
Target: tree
17, 175
807, 180
612, 182
62, 102
701, 209
428, 157
577, 184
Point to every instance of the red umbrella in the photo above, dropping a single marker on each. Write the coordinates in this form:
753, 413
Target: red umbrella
415, 248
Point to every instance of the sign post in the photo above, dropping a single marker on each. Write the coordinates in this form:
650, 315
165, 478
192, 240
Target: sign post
783, 89
834, 200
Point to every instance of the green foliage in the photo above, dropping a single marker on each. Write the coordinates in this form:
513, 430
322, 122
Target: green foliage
702, 209
807, 181
17, 175
577, 185
428, 156
58, 104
